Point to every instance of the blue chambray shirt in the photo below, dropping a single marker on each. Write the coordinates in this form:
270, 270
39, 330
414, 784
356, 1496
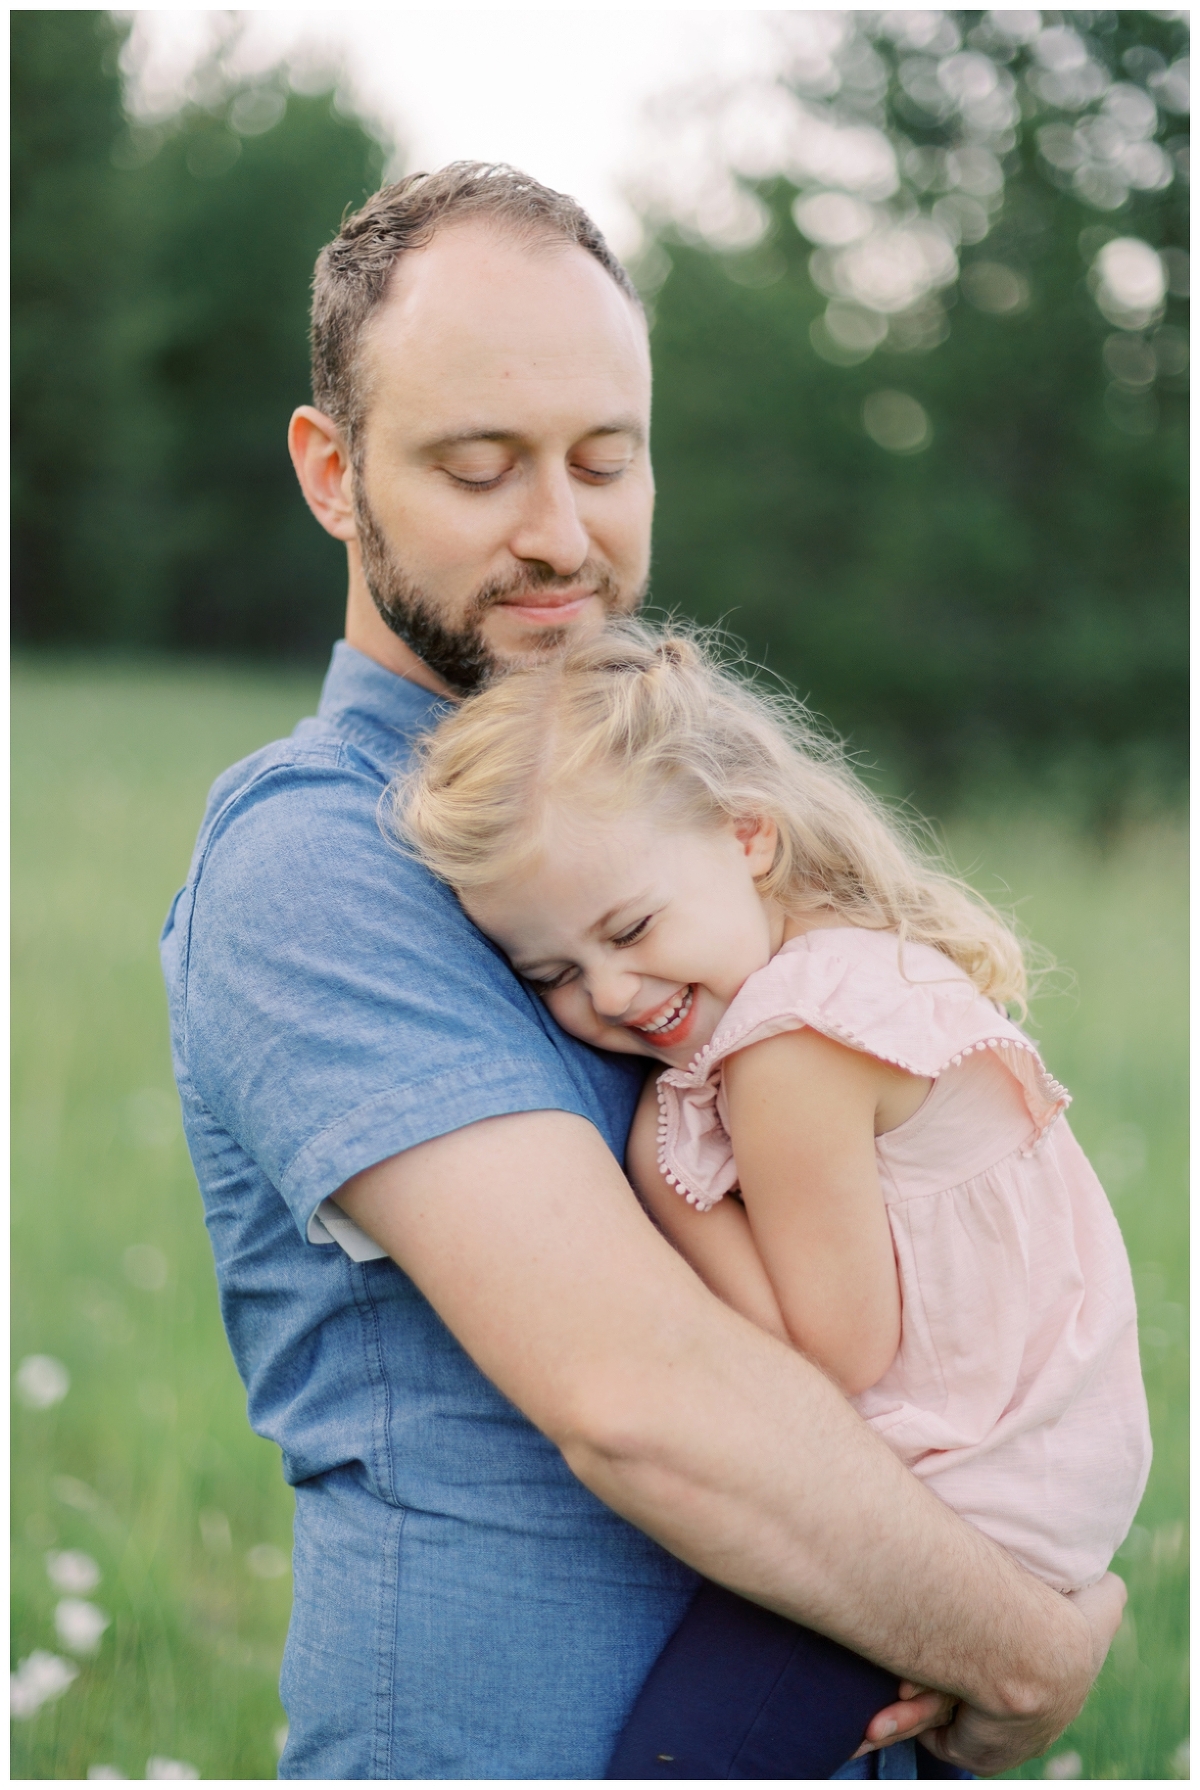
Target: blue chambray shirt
464, 1607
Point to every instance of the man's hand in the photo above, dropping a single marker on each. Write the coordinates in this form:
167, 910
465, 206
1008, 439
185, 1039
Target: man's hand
988, 1744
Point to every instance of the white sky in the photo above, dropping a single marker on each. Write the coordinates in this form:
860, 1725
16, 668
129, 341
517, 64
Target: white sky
557, 91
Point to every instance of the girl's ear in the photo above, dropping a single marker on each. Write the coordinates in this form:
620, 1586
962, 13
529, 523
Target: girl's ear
759, 837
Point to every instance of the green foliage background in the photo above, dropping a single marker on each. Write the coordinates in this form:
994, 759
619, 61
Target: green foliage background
1012, 595
160, 314
1016, 587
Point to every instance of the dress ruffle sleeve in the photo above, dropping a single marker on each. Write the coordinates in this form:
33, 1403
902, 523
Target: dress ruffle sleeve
906, 1004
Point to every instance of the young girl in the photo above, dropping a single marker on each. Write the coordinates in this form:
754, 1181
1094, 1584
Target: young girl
851, 1142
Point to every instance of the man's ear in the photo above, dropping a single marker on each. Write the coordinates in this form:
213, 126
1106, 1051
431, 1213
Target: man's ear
323, 468
759, 837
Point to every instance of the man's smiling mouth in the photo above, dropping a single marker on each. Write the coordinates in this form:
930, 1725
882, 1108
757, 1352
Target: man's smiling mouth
670, 1018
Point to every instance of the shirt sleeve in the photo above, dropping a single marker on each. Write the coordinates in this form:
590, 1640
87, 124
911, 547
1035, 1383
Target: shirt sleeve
339, 1007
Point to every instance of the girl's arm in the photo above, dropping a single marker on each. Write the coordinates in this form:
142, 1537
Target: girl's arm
717, 1244
803, 1114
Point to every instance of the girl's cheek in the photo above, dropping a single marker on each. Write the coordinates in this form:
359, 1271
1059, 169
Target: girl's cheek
557, 1006
573, 1013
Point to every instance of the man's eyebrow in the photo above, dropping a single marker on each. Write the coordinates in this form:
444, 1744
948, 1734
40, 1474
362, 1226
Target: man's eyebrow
464, 437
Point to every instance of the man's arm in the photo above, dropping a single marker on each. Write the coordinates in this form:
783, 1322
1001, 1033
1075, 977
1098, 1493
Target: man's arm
721, 1442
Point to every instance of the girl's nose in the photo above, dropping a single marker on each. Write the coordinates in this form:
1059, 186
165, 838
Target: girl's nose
612, 992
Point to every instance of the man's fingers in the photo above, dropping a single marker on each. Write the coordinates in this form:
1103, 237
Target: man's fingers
915, 1713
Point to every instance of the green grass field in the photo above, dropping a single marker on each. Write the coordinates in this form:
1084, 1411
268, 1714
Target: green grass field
147, 1465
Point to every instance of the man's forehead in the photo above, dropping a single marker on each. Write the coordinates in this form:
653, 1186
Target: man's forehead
482, 307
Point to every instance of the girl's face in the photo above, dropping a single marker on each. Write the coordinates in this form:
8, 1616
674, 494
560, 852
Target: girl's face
638, 934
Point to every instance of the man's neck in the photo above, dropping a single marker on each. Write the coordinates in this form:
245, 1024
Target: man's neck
368, 633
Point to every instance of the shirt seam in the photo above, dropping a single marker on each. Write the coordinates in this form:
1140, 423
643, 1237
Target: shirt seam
364, 1297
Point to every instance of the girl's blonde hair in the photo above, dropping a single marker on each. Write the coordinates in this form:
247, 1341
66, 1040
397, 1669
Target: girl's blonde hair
641, 718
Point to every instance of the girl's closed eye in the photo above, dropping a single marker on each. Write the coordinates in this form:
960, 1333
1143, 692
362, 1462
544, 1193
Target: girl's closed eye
544, 985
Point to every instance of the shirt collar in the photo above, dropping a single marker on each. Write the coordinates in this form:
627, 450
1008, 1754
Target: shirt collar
375, 708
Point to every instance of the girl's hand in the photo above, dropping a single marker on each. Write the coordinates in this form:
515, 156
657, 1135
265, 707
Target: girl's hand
918, 1710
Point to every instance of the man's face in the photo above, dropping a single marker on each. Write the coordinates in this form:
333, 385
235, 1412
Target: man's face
503, 491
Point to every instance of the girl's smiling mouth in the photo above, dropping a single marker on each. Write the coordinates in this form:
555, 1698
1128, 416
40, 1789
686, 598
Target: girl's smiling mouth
669, 1023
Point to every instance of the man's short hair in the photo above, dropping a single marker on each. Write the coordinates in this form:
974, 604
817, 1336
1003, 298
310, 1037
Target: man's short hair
352, 271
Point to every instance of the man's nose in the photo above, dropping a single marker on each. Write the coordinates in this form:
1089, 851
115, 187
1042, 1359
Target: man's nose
549, 529
612, 991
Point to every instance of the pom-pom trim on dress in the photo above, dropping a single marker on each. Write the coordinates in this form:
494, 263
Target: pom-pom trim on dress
822, 980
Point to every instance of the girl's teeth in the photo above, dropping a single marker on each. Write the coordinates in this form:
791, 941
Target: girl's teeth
672, 1018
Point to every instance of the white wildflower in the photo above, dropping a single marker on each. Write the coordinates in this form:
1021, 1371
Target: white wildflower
79, 1624
1064, 1765
70, 1570
41, 1382
37, 1680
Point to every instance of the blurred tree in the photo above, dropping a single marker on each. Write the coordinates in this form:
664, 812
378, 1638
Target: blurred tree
160, 277
76, 396
930, 467
243, 198
919, 343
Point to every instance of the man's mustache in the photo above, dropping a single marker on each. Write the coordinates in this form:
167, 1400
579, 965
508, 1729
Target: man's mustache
534, 582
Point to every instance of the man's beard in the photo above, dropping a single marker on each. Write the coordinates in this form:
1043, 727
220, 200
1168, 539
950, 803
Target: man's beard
461, 656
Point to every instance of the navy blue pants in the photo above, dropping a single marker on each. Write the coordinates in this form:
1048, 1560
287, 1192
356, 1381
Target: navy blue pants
739, 1692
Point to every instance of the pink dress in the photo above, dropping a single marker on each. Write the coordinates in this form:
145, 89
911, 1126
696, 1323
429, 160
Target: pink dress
1016, 1394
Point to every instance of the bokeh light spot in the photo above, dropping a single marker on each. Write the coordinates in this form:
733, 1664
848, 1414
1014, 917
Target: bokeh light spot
257, 110
992, 287
833, 219
1130, 282
267, 1562
897, 422
42, 1381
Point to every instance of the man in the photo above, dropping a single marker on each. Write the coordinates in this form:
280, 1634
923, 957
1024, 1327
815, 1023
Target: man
517, 1424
